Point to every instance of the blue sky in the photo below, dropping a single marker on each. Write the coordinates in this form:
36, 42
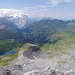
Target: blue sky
60, 9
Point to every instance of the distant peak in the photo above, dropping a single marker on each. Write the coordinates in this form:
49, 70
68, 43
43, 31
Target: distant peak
45, 18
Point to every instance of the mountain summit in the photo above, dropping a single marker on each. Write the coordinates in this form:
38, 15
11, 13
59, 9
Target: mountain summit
14, 17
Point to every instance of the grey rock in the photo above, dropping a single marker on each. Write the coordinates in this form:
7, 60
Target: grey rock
18, 67
35, 62
6, 72
33, 52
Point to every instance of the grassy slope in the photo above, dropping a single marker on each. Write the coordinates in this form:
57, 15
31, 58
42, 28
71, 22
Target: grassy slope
10, 40
66, 42
5, 60
42, 32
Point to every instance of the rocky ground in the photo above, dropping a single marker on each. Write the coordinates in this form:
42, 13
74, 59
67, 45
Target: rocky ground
35, 62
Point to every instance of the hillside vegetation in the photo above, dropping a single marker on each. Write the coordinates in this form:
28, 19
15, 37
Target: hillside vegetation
40, 33
10, 38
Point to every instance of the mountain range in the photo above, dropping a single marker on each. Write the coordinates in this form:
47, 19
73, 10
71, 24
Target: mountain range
17, 21
42, 46
33, 30
18, 18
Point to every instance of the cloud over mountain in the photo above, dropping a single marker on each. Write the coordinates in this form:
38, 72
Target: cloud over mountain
11, 12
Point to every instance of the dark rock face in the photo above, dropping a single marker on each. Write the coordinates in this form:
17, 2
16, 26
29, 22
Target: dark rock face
32, 51
34, 48
18, 67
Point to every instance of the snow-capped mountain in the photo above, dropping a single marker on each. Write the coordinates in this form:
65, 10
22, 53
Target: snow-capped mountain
17, 17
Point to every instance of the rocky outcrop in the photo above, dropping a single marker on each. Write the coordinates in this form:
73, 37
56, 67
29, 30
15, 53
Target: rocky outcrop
34, 62
34, 48
32, 52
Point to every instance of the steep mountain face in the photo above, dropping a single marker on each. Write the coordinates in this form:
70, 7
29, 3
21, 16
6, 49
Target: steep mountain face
16, 21
3, 26
6, 31
42, 31
14, 18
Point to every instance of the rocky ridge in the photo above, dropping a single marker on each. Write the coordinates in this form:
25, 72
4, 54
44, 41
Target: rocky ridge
32, 61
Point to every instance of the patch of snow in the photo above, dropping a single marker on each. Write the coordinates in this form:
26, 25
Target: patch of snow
35, 57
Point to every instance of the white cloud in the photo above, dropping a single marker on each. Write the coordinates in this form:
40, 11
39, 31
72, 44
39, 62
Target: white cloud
69, 0
10, 12
42, 11
54, 2
36, 11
